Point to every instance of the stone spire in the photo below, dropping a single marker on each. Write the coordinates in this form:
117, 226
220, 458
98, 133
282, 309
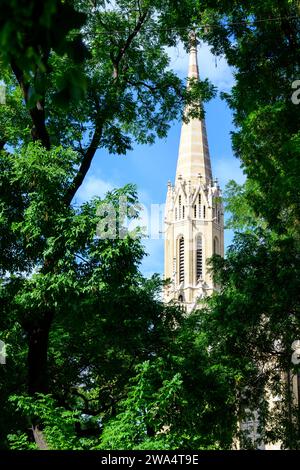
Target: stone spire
193, 157
194, 225
193, 71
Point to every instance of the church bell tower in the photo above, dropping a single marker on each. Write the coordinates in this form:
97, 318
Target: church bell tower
194, 226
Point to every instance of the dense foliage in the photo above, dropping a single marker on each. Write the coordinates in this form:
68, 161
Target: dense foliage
95, 360
255, 318
83, 329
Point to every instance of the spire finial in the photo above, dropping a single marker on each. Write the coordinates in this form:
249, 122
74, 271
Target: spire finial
193, 63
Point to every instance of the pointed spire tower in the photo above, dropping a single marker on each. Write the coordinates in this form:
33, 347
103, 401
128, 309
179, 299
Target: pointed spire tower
194, 158
194, 214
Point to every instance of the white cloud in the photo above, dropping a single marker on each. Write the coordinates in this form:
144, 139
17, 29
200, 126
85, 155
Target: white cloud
93, 186
228, 169
214, 68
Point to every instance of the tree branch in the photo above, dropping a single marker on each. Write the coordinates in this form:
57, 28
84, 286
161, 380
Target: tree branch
95, 412
85, 165
153, 89
122, 52
91, 150
37, 113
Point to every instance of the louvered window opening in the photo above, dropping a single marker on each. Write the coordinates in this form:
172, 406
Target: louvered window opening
181, 259
199, 259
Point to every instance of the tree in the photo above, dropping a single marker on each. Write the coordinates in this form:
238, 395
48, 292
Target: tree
255, 318
95, 337
79, 76
178, 400
267, 122
251, 325
115, 352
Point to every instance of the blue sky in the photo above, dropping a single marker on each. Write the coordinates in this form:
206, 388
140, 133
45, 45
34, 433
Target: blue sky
150, 167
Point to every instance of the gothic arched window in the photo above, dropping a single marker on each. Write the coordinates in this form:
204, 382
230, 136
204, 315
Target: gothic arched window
179, 203
181, 259
199, 258
216, 246
214, 209
199, 206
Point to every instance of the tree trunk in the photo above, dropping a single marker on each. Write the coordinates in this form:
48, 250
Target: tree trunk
39, 438
38, 336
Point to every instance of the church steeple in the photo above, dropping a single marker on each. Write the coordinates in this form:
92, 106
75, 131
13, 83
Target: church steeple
193, 59
193, 214
194, 157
